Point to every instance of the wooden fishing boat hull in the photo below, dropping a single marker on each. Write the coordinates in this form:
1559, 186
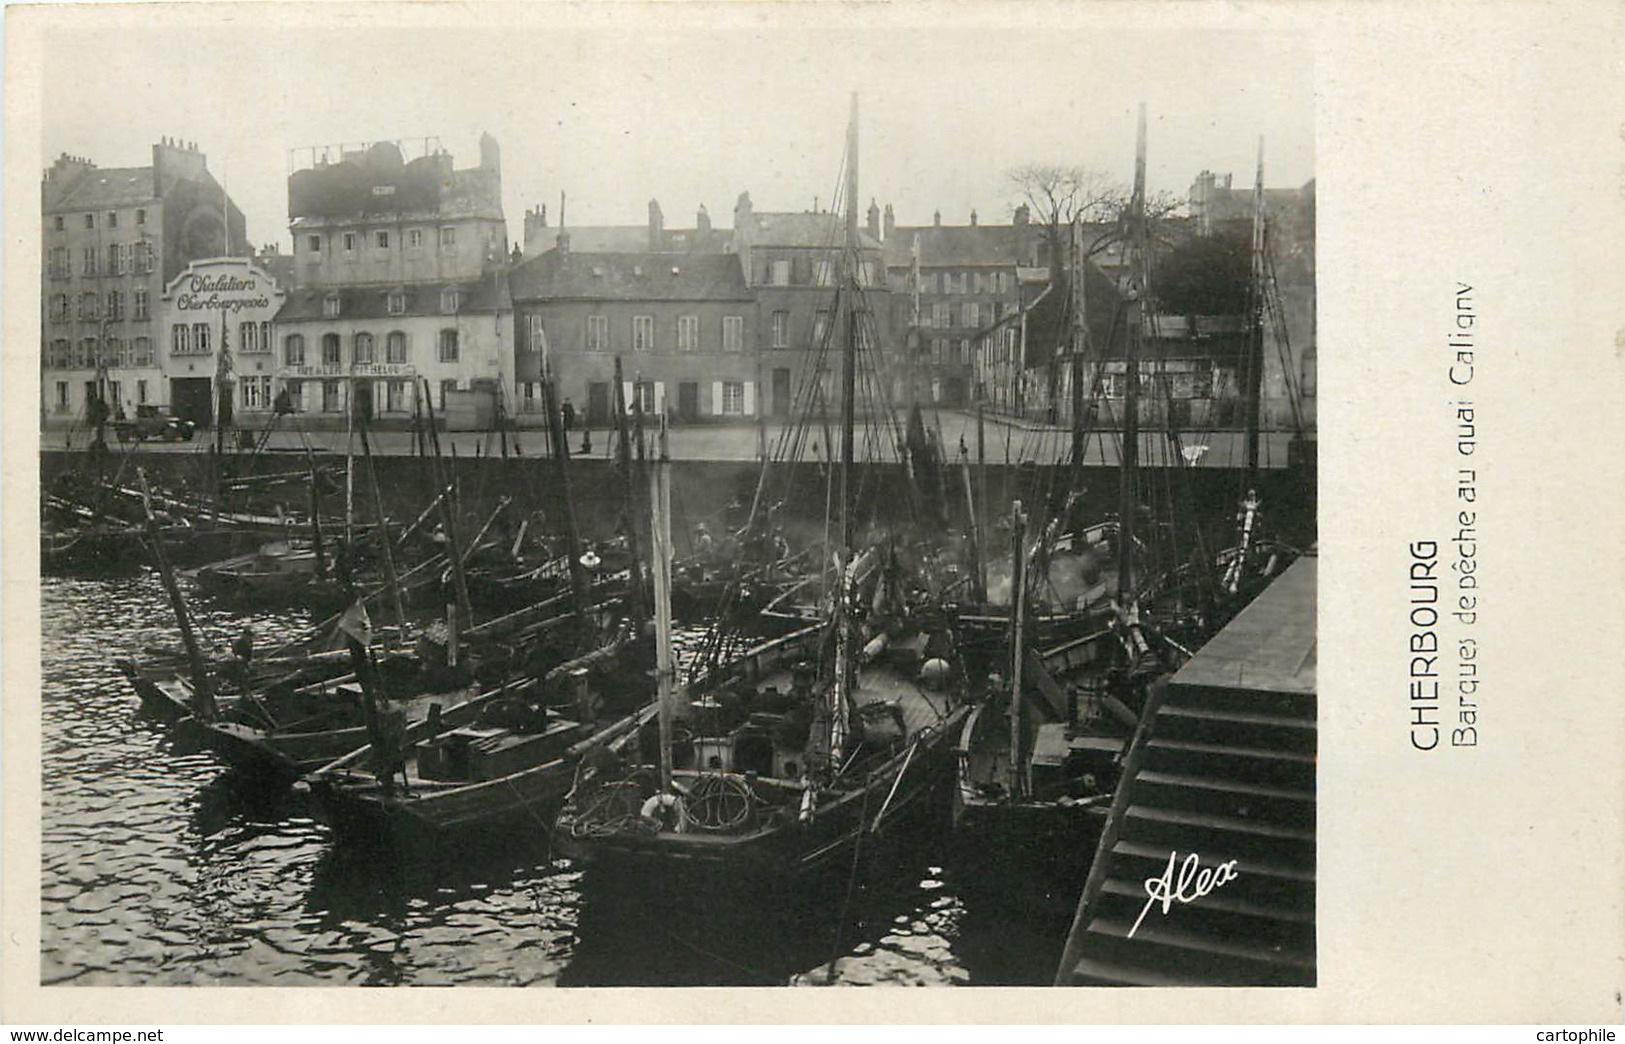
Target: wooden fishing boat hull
899, 795
93, 554
360, 811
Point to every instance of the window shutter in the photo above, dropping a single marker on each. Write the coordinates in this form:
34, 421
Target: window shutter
750, 398
716, 398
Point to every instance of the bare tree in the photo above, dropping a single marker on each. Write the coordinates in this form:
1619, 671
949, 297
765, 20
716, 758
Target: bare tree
1059, 195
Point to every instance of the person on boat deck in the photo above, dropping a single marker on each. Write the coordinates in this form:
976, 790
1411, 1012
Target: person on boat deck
703, 544
243, 646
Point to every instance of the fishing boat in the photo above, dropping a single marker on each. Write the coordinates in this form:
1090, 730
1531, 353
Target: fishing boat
779, 762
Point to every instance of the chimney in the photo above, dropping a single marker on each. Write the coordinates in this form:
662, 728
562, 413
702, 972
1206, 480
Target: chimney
1024, 215
563, 243
490, 152
657, 226
936, 219
973, 217
891, 221
874, 220
535, 228
702, 219
745, 235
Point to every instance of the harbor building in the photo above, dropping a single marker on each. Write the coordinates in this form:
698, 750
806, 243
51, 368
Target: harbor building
962, 279
113, 240
400, 264
216, 334
682, 324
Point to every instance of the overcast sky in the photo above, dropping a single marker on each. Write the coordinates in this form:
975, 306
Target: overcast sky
688, 113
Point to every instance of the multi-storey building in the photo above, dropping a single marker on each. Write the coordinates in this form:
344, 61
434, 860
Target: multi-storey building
213, 310
682, 324
963, 279
113, 239
401, 276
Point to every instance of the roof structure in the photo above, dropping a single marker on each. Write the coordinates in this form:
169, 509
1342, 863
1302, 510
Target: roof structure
963, 245
489, 294
824, 230
640, 276
113, 187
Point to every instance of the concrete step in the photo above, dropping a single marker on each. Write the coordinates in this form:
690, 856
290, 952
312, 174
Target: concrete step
1258, 881
1286, 806
1219, 838
1219, 914
1285, 704
1091, 972
1230, 761
1239, 728
1217, 962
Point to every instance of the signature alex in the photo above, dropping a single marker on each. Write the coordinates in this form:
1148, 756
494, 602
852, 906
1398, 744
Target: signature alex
1191, 883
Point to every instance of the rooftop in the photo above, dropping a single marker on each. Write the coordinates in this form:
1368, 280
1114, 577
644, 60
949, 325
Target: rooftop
629, 276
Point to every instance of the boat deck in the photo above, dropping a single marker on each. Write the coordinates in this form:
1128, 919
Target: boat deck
882, 683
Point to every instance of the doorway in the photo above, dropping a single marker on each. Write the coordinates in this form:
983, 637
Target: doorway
688, 401
781, 392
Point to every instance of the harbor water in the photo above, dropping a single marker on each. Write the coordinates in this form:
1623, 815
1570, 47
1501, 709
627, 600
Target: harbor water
162, 868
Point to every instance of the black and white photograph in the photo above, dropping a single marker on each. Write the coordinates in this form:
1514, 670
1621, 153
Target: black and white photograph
722, 500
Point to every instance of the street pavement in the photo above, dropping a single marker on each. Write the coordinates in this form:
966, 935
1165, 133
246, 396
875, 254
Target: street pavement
1003, 442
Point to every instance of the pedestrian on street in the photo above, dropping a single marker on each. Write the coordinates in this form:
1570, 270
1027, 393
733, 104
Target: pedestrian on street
569, 412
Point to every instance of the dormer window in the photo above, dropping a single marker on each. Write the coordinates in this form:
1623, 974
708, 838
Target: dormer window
397, 302
330, 306
449, 300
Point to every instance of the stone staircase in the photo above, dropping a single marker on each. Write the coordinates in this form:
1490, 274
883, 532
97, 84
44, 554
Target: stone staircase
1226, 772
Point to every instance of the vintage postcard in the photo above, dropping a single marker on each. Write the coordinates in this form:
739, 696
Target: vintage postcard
717, 500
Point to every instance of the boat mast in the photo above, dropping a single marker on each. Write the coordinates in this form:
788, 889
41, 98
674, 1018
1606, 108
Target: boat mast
580, 585
1017, 781
1075, 377
1255, 324
849, 355
660, 539
623, 442
1131, 372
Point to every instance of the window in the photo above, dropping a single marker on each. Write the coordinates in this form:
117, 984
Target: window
999, 282
939, 314
866, 274
265, 335
112, 219
57, 266
138, 303
59, 308
597, 333
141, 216
117, 259
733, 333
143, 257
688, 333
256, 392
395, 397
293, 350
395, 347
781, 273
414, 240
143, 352
1306, 373
61, 389
330, 396
90, 307
733, 398
332, 351
313, 244
115, 305
781, 329
397, 302
200, 338
448, 239
450, 299
330, 306
446, 388
977, 282
824, 273
964, 346
643, 333
448, 352
88, 262
90, 220
248, 337
296, 394
349, 242
84, 354
380, 240
60, 355
60, 224
363, 350
973, 314
820, 326
141, 393
536, 342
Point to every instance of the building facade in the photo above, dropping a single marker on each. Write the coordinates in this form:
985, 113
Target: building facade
951, 284
113, 239
401, 277
216, 333
682, 325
